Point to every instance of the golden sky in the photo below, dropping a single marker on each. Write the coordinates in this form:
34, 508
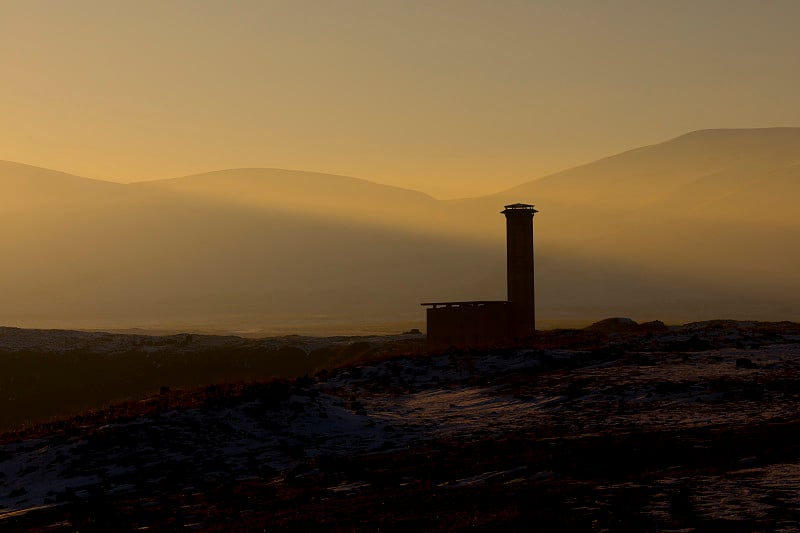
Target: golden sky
454, 98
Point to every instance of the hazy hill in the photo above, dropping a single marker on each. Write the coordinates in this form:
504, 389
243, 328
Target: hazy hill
703, 223
113, 255
701, 226
277, 187
25, 187
310, 193
638, 177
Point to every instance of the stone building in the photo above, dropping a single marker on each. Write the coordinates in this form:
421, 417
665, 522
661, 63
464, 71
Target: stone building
481, 323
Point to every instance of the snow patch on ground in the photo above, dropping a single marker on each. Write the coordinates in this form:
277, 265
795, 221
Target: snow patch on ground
402, 402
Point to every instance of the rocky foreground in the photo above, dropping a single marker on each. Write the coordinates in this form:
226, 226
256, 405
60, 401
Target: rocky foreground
618, 427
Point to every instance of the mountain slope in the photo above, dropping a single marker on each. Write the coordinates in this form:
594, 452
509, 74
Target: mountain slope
700, 226
267, 186
705, 222
308, 193
25, 187
640, 176
92, 254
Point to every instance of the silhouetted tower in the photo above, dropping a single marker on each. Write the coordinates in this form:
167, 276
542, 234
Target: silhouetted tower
519, 269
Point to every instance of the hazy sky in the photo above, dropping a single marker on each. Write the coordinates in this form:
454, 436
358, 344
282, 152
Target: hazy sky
451, 97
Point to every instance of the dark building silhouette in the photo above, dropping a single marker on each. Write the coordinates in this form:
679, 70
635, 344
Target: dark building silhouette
481, 324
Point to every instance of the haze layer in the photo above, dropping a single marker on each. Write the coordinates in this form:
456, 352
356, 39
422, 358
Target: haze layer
700, 226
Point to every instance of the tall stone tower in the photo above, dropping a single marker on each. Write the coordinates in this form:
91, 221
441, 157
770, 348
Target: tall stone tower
519, 269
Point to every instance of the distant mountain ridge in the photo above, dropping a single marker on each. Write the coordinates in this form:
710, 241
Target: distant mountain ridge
710, 150
683, 159
275, 177
699, 226
10, 170
309, 193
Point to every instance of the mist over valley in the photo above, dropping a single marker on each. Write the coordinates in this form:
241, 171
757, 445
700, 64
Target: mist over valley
701, 226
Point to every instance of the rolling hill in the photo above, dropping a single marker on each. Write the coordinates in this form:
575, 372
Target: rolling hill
708, 217
700, 226
109, 255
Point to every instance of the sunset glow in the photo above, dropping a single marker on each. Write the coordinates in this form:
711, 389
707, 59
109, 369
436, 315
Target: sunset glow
453, 98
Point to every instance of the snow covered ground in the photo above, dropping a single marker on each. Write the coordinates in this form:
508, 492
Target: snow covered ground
402, 404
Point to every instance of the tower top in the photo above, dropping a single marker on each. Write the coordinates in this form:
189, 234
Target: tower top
517, 208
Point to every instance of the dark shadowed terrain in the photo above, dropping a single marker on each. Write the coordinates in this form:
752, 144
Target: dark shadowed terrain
46, 374
619, 427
